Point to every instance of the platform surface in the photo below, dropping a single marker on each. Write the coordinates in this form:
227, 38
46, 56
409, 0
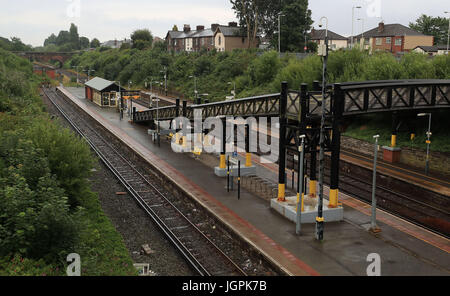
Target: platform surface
405, 249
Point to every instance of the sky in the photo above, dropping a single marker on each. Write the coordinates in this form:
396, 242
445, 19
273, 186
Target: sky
33, 21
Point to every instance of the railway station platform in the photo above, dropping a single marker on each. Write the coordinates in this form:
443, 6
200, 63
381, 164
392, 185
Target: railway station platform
404, 248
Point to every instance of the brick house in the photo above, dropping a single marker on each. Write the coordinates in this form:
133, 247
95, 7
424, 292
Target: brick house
394, 38
222, 38
227, 38
335, 41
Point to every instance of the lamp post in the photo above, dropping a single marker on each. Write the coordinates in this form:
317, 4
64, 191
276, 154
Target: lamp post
279, 32
195, 86
319, 219
448, 34
353, 22
77, 73
362, 33
234, 91
301, 178
89, 73
429, 134
120, 101
131, 99
373, 226
165, 79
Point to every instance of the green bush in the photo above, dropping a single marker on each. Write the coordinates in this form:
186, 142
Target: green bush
298, 72
417, 66
263, 69
47, 209
381, 66
253, 73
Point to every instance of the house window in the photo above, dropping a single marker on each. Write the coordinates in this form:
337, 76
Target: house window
388, 40
211, 40
378, 41
243, 40
175, 42
203, 41
398, 42
220, 40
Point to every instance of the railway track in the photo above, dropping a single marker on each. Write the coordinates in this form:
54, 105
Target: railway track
433, 216
200, 252
420, 207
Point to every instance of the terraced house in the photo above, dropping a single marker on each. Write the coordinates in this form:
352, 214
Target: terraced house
221, 38
394, 38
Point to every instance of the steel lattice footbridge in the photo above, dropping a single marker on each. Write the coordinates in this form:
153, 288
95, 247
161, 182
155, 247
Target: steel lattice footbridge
300, 111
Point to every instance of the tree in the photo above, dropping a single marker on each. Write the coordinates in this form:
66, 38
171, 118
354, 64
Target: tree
74, 37
95, 43
252, 13
435, 26
175, 28
84, 42
142, 38
294, 25
18, 45
50, 40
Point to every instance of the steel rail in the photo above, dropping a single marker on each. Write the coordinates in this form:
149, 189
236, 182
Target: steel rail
172, 237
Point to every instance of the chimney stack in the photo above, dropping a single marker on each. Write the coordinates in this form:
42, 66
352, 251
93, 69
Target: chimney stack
381, 27
187, 28
232, 24
214, 27
200, 28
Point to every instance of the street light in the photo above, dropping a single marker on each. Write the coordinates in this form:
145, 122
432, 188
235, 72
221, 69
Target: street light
319, 219
89, 73
279, 32
373, 225
448, 33
195, 86
165, 79
77, 73
427, 163
353, 22
120, 101
362, 33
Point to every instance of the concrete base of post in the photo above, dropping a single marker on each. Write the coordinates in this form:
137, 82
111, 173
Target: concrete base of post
288, 209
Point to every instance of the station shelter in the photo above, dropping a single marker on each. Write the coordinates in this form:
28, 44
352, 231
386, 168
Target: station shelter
103, 92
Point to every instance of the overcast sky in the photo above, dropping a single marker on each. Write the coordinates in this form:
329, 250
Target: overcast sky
33, 21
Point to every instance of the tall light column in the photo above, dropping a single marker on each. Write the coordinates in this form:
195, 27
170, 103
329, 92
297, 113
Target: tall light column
279, 32
448, 34
353, 22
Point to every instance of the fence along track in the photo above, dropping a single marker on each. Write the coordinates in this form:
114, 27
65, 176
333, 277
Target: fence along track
199, 251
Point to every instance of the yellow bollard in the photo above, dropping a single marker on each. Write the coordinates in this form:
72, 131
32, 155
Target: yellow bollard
413, 136
334, 193
313, 188
248, 160
223, 164
394, 141
282, 192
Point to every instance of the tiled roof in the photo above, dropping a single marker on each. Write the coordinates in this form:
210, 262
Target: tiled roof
391, 30
231, 31
175, 34
428, 48
203, 33
320, 35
